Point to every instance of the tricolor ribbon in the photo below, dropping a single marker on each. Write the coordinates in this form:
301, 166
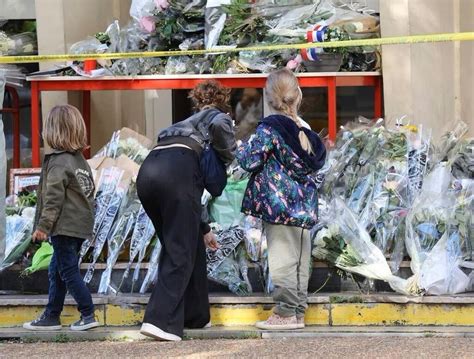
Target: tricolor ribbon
317, 34
309, 54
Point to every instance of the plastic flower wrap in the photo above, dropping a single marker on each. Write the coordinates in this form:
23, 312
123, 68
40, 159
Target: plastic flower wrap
428, 218
223, 264
330, 246
460, 225
18, 238
440, 273
387, 210
462, 159
349, 247
253, 237
450, 140
152, 272
123, 142
121, 232
141, 237
269, 287
19, 44
418, 141
108, 201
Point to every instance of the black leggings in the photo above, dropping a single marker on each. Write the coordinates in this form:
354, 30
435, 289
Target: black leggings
170, 187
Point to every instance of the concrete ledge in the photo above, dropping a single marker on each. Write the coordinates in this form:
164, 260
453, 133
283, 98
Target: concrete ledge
258, 298
243, 332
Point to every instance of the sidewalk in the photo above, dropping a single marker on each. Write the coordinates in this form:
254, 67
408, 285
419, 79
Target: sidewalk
247, 332
323, 347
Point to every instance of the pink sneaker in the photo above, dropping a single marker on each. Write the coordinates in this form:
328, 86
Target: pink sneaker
276, 322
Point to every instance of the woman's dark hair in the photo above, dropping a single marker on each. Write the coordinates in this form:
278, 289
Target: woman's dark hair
210, 93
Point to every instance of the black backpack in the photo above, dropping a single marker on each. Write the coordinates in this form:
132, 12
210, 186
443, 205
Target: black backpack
213, 171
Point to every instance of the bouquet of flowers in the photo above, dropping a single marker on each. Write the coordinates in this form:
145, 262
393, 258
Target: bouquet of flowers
18, 238
223, 264
347, 245
123, 227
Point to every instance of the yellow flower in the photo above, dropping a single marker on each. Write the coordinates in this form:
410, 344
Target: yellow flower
411, 128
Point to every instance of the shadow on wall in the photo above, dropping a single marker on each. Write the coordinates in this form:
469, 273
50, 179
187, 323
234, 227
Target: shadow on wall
3, 174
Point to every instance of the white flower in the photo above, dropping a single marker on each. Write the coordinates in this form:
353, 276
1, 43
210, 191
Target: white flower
319, 240
28, 213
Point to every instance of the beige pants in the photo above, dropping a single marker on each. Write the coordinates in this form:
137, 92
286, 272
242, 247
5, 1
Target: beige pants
289, 259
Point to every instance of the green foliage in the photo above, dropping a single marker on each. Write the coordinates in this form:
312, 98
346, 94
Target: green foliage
243, 24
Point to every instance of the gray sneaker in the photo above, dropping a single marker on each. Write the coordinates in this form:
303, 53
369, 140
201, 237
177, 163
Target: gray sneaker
44, 322
85, 323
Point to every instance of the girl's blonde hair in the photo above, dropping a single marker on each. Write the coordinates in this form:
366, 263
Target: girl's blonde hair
64, 129
283, 95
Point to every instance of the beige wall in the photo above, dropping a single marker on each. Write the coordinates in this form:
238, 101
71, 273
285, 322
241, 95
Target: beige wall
17, 9
61, 23
430, 83
467, 64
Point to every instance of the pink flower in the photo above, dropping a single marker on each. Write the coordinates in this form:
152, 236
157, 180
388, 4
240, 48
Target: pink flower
162, 4
292, 64
147, 23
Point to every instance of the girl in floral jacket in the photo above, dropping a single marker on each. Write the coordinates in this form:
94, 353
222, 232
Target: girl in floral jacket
283, 158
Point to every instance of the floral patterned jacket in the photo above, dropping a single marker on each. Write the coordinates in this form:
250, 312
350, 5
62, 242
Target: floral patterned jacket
282, 187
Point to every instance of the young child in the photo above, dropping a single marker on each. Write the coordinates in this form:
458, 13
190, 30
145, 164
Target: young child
283, 157
65, 214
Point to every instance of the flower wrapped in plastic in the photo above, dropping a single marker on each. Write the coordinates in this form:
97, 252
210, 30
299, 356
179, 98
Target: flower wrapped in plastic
253, 237
121, 232
223, 264
349, 247
418, 146
387, 210
126, 142
429, 215
450, 140
462, 159
18, 238
461, 221
112, 190
141, 237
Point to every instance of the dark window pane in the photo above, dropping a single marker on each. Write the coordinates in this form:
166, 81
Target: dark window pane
351, 103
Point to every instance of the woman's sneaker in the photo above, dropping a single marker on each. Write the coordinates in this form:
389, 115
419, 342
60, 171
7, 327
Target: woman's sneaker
85, 323
154, 332
44, 322
276, 322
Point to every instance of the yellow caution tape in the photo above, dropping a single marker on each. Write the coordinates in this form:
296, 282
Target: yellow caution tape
396, 40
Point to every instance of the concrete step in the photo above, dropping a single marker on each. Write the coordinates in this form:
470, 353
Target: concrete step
334, 310
238, 332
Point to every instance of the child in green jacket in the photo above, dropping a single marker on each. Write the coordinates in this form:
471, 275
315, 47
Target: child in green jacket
65, 215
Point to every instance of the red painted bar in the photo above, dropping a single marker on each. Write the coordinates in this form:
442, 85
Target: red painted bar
35, 126
329, 80
86, 114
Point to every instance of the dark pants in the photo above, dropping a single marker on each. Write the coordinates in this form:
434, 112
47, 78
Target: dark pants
170, 187
64, 276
